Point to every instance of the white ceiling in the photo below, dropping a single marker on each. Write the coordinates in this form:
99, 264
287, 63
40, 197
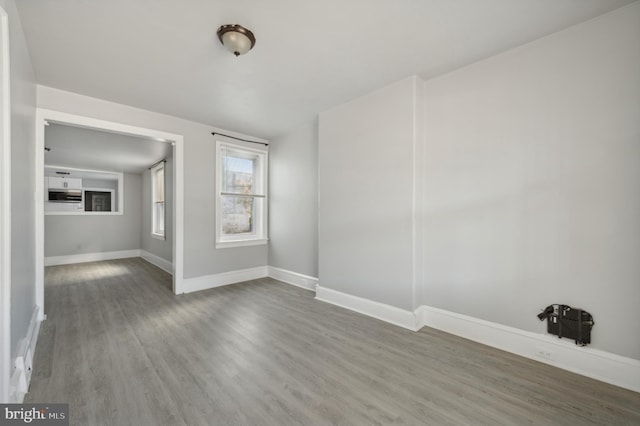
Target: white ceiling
92, 149
164, 56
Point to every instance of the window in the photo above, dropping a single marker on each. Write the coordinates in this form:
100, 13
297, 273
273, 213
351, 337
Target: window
157, 201
241, 202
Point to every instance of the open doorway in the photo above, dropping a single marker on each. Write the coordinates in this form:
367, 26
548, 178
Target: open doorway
98, 197
131, 151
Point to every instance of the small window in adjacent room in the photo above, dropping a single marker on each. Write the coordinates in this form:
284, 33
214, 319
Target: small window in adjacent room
157, 201
241, 202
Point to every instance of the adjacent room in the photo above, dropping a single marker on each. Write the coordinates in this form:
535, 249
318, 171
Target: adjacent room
106, 195
354, 213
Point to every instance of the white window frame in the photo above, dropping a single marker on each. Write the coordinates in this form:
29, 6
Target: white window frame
155, 233
5, 212
261, 235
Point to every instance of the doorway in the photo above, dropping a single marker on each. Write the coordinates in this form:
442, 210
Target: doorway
43, 118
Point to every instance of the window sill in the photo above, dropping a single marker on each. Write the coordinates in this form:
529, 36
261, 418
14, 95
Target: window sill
158, 236
80, 213
241, 243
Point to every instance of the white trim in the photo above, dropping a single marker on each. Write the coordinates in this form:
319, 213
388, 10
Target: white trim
242, 243
600, 365
162, 263
39, 230
23, 364
289, 277
216, 280
261, 225
43, 116
587, 361
178, 215
81, 213
90, 257
5, 210
417, 196
381, 311
152, 172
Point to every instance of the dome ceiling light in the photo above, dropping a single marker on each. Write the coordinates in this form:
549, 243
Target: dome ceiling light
236, 39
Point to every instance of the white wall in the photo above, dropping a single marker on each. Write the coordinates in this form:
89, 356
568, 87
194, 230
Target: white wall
18, 266
533, 182
293, 201
23, 99
66, 235
161, 248
366, 190
201, 258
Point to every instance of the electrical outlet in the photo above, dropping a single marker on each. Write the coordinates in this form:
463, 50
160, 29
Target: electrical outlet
544, 353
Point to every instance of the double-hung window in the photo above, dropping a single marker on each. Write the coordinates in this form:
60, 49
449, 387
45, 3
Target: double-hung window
241, 202
157, 201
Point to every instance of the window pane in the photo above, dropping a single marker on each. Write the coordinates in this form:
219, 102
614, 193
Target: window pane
237, 215
159, 181
238, 176
159, 218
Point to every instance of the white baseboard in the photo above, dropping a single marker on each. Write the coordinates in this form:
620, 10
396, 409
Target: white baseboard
158, 261
90, 257
299, 280
597, 364
23, 363
600, 365
216, 280
388, 313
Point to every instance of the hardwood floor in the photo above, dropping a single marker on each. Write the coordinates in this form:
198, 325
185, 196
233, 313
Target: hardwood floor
121, 349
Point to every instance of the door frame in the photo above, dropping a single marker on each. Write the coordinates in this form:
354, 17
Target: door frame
46, 116
5, 209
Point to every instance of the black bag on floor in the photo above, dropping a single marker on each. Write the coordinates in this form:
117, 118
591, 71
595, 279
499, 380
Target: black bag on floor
565, 321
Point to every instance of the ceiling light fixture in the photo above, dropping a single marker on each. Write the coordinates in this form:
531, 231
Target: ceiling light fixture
236, 39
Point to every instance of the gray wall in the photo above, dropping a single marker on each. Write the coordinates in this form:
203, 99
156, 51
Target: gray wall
527, 180
78, 234
23, 100
201, 257
366, 196
533, 182
164, 249
293, 201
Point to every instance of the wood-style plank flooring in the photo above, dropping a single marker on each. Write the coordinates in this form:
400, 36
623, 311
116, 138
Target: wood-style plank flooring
121, 349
